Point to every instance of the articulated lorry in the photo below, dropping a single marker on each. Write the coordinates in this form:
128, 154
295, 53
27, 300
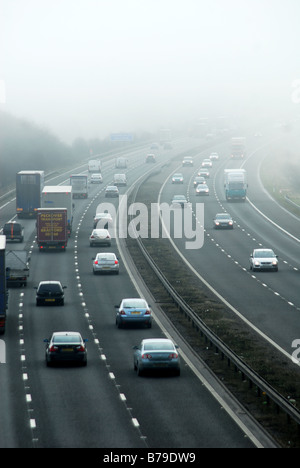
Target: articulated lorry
59, 196
16, 267
29, 186
52, 228
79, 184
235, 184
3, 290
238, 148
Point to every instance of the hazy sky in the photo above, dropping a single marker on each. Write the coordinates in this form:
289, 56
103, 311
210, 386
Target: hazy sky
86, 68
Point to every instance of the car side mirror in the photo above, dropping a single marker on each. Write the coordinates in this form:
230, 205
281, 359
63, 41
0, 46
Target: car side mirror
85, 340
135, 347
46, 341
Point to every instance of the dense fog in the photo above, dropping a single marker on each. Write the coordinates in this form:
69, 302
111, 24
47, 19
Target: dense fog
85, 69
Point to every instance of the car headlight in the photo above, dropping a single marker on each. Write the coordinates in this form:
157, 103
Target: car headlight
256, 263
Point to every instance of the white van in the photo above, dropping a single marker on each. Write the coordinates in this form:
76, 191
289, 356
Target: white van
120, 180
121, 162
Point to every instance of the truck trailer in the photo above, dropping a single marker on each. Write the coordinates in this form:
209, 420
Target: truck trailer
29, 186
59, 196
79, 184
52, 228
16, 267
3, 290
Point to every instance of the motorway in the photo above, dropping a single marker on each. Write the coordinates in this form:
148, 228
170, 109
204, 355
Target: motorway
268, 301
106, 405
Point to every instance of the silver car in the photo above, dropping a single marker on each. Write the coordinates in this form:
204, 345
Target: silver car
112, 191
100, 237
179, 200
202, 189
106, 263
133, 311
223, 221
96, 178
156, 354
206, 163
263, 259
177, 178
105, 220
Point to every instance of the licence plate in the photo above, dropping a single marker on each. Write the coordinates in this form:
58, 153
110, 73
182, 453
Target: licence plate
135, 312
49, 300
67, 350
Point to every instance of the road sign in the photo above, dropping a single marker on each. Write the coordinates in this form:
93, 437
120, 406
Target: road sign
121, 137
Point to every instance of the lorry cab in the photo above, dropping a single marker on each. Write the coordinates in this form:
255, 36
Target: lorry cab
13, 231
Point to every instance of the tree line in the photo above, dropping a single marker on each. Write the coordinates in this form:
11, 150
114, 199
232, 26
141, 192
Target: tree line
26, 146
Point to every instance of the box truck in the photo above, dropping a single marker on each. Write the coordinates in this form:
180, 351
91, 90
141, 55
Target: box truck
59, 196
52, 228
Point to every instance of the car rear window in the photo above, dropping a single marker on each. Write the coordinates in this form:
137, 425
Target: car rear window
66, 339
158, 346
135, 303
50, 287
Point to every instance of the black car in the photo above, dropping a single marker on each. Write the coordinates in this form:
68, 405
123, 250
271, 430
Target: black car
50, 293
13, 231
66, 346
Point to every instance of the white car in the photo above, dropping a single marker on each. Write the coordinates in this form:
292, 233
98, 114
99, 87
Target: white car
263, 259
100, 237
105, 220
96, 178
214, 156
106, 263
202, 189
177, 178
179, 200
188, 161
206, 163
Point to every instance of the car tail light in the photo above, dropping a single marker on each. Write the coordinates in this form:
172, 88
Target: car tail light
146, 356
116, 262
80, 348
53, 349
107, 237
173, 356
92, 237
96, 262
147, 312
122, 312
